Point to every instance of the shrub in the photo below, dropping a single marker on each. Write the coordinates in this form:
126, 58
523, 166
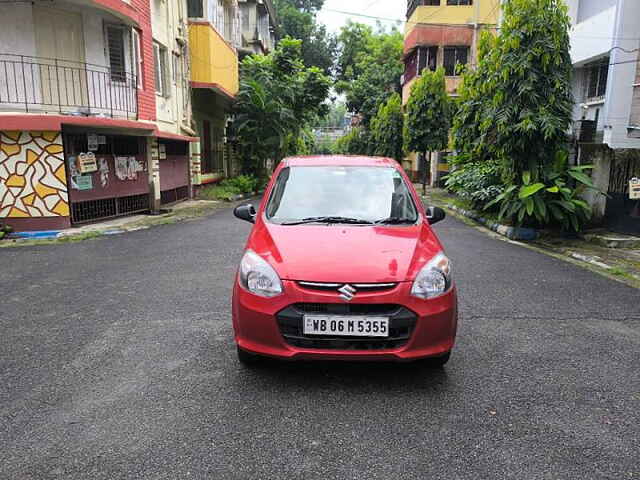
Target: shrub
231, 187
242, 183
477, 182
549, 199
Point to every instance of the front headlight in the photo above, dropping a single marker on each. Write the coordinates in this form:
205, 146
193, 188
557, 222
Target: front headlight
434, 279
258, 277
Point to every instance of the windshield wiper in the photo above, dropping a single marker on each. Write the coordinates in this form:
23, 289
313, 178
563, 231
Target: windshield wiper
395, 221
347, 220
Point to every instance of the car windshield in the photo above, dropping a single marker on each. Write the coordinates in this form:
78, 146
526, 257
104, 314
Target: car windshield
335, 194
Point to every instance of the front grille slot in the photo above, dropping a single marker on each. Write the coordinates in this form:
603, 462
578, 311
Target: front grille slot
360, 287
401, 325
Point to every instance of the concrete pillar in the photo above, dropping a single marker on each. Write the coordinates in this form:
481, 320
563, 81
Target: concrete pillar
600, 157
154, 174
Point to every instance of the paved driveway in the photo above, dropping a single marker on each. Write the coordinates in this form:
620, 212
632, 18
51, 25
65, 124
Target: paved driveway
117, 361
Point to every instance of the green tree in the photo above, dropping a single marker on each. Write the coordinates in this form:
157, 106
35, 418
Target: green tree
428, 114
278, 99
517, 107
386, 129
355, 41
375, 75
515, 111
356, 142
297, 19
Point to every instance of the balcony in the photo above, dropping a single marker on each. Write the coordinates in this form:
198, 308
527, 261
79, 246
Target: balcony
49, 85
214, 63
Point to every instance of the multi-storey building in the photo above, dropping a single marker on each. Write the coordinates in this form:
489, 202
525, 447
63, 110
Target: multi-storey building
258, 26
77, 105
214, 35
443, 33
605, 39
102, 103
605, 36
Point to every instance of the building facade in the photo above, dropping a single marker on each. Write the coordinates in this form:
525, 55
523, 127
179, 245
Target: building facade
443, 33
605, 36
102, 103
258, 26
605, 41
214, 37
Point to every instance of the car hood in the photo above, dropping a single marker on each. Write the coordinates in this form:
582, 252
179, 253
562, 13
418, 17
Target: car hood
345, 254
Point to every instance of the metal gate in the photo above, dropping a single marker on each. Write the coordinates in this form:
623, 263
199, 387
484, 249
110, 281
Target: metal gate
622, 213
111, 191
174, 172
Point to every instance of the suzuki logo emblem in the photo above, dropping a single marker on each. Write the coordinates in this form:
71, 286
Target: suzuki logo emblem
347, 292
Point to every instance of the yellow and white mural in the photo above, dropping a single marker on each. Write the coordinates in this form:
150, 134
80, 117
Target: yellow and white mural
32, 175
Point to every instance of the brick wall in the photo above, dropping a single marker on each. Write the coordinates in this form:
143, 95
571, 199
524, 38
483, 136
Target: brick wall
146, 96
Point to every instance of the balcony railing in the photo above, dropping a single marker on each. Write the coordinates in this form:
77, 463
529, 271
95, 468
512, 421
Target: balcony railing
45, 85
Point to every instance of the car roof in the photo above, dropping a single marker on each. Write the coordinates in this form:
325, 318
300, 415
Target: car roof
339, 161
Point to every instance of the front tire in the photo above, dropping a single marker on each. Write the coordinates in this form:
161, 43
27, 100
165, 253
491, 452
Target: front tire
247, 359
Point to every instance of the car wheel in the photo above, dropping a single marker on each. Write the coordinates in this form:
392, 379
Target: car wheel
438, 362
246, 358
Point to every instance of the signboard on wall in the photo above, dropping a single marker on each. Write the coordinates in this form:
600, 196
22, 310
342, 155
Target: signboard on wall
87, 162
92, 142
84, 182
162, 149
634, 189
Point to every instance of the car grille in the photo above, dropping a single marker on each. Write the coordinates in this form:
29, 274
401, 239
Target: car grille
401, 325
360, 287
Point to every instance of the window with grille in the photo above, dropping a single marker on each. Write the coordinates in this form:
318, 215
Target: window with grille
454, 56
427, 58
597, 76
418, 60
115, 50
195, 8
459, 2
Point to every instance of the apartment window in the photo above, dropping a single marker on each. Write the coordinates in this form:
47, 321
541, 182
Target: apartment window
413, 4
160, 61
459, 2
115, 51
195, 8
427, 58
454, 56
418, 60
175, 67
137, 57
597, 79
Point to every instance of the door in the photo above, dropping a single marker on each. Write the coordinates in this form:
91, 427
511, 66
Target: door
61, 67
206, 160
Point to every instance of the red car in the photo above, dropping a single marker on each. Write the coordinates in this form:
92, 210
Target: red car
342, 264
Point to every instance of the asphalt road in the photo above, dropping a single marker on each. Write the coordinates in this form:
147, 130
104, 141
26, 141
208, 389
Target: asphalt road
117, 361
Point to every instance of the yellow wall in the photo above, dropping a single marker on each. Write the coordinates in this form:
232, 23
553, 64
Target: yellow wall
213, 60
451, 84
482, 12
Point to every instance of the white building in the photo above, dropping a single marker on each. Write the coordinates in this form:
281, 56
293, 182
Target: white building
605, 37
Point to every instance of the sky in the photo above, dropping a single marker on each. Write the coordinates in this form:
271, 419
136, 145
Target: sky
330, 16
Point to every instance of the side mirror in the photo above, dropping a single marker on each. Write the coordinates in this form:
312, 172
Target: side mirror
245, 212
435, 215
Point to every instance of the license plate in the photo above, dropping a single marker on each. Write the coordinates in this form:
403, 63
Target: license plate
346, 326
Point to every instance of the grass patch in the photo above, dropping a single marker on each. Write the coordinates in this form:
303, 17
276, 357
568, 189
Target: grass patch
218, 192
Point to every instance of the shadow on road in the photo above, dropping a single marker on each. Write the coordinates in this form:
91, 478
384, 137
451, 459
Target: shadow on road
350, 375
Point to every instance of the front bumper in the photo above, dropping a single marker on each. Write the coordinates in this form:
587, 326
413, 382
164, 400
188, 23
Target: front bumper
419, 328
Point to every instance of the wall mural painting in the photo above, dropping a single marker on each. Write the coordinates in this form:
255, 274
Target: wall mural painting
32, 175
